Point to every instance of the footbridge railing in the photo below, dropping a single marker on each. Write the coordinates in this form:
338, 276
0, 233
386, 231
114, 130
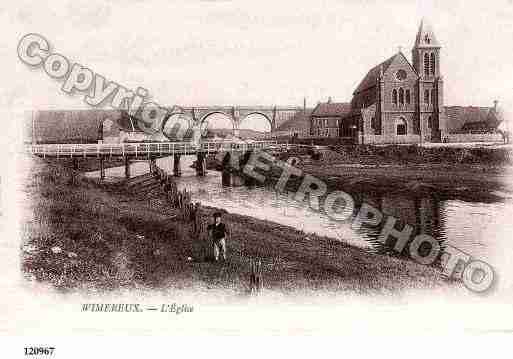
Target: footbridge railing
146, 149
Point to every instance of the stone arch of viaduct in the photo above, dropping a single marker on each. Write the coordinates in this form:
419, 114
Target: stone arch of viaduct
274, 115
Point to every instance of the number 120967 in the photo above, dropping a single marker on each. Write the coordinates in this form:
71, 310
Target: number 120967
39, 350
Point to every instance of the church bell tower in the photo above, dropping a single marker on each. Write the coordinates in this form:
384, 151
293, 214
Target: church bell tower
426, 52
426, 61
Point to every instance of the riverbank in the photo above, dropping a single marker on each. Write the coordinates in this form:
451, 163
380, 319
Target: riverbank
98, 236
462, 182
479, 174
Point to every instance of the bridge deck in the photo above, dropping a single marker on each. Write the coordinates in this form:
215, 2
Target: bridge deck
144, 149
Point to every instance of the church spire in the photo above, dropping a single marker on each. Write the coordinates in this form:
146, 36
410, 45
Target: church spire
425, 36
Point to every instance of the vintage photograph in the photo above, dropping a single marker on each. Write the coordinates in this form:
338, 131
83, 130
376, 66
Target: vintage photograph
275, 167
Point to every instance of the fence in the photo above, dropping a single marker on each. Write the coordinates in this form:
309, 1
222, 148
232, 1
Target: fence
142, 149
256, 282
300, 133
190, 212
472, 137
390, 139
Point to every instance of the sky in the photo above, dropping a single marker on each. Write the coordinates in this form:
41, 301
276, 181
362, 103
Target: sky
255, 53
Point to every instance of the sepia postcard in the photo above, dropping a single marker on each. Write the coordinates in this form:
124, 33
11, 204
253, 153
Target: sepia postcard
256, 178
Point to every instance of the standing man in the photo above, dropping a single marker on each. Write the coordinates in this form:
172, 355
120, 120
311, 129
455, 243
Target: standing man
218, 231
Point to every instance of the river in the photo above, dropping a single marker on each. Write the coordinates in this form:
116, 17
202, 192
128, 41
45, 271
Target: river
472, 227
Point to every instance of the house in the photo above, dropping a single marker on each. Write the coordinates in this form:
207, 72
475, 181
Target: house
298, 125
472, 119
326, 118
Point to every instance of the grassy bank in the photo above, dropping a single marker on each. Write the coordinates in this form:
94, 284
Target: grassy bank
449, 173
413, 154
469, 183
91, 236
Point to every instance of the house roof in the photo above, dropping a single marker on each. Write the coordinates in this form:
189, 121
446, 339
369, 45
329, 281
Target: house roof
331, 109
300, 120
357, 111
458, 116
425, 36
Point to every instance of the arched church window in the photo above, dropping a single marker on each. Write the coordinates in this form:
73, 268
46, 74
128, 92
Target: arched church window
426, 64
430, 122
433, 96
426, 96
394, 97
401, 128
408, 98
401, 96
433, 64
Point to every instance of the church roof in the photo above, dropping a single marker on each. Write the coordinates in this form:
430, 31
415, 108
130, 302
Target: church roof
426, 36
329, 109
370, 79
372, 76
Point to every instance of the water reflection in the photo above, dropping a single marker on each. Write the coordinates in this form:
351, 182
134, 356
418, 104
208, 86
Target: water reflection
422, 213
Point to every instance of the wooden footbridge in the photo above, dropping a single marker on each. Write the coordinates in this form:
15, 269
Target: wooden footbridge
147, 150
136, 151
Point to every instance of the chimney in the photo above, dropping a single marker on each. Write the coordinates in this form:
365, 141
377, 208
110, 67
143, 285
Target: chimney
329, 99
495, 103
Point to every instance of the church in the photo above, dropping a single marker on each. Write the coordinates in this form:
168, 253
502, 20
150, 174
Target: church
398, 102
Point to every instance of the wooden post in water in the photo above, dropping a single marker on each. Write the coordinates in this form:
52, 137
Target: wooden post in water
152, 163
73, 179
226, 178
237, 180
201, 164
226, 173
177, 171
248, 180
102, 168
127, 167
